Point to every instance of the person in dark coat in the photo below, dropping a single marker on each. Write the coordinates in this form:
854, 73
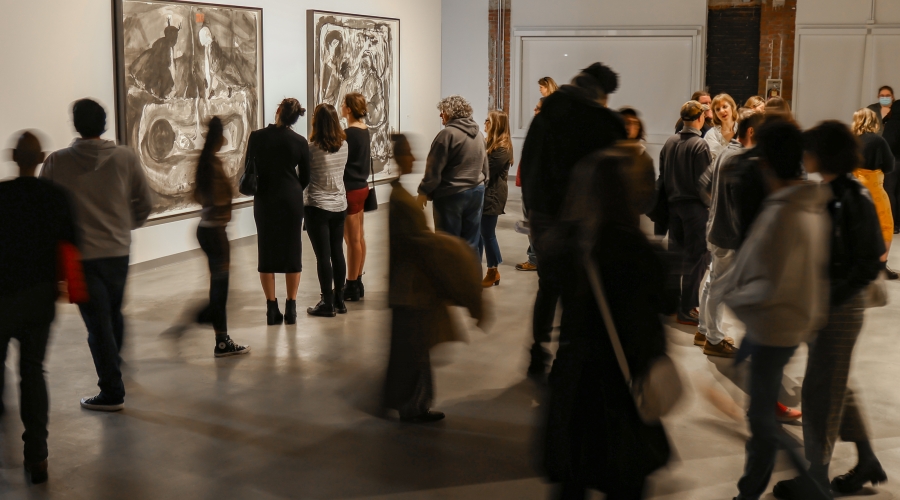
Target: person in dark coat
499, 150
573, 123
593, 436
891, 133
282, 162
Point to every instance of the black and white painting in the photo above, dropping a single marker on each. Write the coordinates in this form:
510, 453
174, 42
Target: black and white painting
179, 64
357, 53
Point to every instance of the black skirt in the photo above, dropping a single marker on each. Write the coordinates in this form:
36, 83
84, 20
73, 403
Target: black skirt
279, 225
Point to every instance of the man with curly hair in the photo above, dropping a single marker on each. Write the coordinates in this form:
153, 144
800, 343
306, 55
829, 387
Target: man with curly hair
456, 172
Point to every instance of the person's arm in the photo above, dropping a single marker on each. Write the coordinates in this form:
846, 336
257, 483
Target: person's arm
887, 157
701, 165
864, 245
435, 164
303, 166
486, 169
498, 162
529, 163
141, 200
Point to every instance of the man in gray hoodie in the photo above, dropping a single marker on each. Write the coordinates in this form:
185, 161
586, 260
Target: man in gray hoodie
111, 197
456, 172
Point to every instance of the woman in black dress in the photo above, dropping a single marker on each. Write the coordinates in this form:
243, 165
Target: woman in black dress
282, 162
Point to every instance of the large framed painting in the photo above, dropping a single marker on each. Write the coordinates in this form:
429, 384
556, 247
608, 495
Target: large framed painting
178, 64
357, 53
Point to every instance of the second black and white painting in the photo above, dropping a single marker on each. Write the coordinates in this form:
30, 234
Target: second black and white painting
357, 53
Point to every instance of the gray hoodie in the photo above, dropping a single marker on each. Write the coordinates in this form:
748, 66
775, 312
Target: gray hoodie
109, 190
457, 161
779, 284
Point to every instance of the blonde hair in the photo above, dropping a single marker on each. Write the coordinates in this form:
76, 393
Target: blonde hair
754, 102
718, 100
550, 83
498, 133
865, 121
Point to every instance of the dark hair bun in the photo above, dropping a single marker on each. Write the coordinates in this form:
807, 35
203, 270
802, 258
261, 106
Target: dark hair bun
291, 110
607, 78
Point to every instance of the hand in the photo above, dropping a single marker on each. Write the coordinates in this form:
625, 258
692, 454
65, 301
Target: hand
422, 201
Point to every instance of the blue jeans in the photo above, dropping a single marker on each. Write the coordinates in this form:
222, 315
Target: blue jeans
105, 280
488, 242
460, 215
766, 372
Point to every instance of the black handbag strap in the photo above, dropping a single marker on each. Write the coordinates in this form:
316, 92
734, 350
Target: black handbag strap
372, 169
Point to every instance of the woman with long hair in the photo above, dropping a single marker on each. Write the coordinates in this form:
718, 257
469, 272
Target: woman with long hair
756, 103
356, 181
214, 193
326, 208
547, 86
725, 120
877, 161
282, 167
500, 156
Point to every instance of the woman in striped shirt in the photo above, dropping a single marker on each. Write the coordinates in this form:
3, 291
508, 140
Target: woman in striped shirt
326, 208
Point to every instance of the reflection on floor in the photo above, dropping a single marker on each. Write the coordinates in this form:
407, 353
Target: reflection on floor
298, 417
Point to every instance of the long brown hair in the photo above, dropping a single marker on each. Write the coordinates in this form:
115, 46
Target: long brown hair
326, 129
498, 133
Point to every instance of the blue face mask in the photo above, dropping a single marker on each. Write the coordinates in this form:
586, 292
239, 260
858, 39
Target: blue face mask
885, 101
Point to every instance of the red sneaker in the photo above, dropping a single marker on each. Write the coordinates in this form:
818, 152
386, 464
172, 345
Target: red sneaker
785, 414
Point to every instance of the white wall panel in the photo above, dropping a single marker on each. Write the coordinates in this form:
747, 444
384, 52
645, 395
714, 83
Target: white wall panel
828, 75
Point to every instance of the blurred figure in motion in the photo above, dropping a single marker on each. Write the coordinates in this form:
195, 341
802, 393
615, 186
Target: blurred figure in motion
573, 123
778, 287
500, 156
39, 240
111, 197
428, 272
830, 407
594, 437
214, 193
878, 162
531, 263
456, 173
779, 105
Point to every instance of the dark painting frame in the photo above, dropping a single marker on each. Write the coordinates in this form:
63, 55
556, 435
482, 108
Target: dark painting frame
122, 88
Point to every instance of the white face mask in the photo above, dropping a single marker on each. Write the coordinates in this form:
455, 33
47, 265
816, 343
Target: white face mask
885, 101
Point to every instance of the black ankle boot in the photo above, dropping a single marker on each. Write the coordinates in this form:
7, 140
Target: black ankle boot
351, 291
273, 315
362, 289
325, 308
290, 312
339, 306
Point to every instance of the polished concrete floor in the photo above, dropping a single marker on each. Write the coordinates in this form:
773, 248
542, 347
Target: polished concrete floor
298, 417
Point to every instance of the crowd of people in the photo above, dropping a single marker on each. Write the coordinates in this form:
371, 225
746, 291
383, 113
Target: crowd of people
796, 260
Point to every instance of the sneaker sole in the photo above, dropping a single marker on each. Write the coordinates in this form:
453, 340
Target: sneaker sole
719, 354
107, 408
233, 353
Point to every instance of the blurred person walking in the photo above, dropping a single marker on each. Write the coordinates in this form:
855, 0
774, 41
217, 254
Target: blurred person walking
498, 146
573, 123
456, 172
326, 208
830, 407
684, 159
111, 197
778, 287
878, 163
725, 125
213, 191
428, 273
281, 157
39, 249
356, 181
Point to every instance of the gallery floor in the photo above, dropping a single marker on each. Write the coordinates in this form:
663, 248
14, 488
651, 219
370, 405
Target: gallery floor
297, 418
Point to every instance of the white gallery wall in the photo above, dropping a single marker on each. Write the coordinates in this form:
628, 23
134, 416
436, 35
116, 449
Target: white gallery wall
55, 52
464, 53
845, 50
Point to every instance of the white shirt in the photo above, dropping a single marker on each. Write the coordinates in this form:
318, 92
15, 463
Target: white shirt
326, 179
717, 143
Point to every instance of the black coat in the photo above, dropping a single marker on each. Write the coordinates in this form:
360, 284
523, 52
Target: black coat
876, 153
497, 190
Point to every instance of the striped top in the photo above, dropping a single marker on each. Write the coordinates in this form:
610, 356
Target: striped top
326, 179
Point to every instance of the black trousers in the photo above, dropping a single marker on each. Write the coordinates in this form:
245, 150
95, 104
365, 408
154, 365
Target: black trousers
551, 274
326, 233
687, 235
26, 316
214, 243
892, 186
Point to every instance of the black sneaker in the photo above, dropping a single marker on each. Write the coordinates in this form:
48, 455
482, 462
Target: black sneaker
229, 348
37, 472
101, 403
323, 309
859, 476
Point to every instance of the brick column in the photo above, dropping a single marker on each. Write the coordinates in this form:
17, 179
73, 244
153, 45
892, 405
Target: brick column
732, 49
498, 55
776, 44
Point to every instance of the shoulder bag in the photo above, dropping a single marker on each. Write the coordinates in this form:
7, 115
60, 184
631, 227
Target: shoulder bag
250, 177
371, 201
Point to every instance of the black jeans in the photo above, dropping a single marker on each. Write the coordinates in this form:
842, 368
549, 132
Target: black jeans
892, 185
551, 274
214, 242
26, 316
687, 234
326, 233
105, 280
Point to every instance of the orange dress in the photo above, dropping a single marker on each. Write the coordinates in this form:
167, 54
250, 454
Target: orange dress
873, 180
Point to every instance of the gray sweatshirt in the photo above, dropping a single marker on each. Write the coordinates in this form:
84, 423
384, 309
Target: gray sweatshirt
109, 191
457, 161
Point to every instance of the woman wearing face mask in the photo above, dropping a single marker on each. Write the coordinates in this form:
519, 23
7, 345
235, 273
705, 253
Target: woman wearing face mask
882, 108
718, 138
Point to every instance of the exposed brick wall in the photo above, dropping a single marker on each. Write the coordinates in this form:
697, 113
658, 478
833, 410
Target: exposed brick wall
493, 48
732, 51
776, 44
